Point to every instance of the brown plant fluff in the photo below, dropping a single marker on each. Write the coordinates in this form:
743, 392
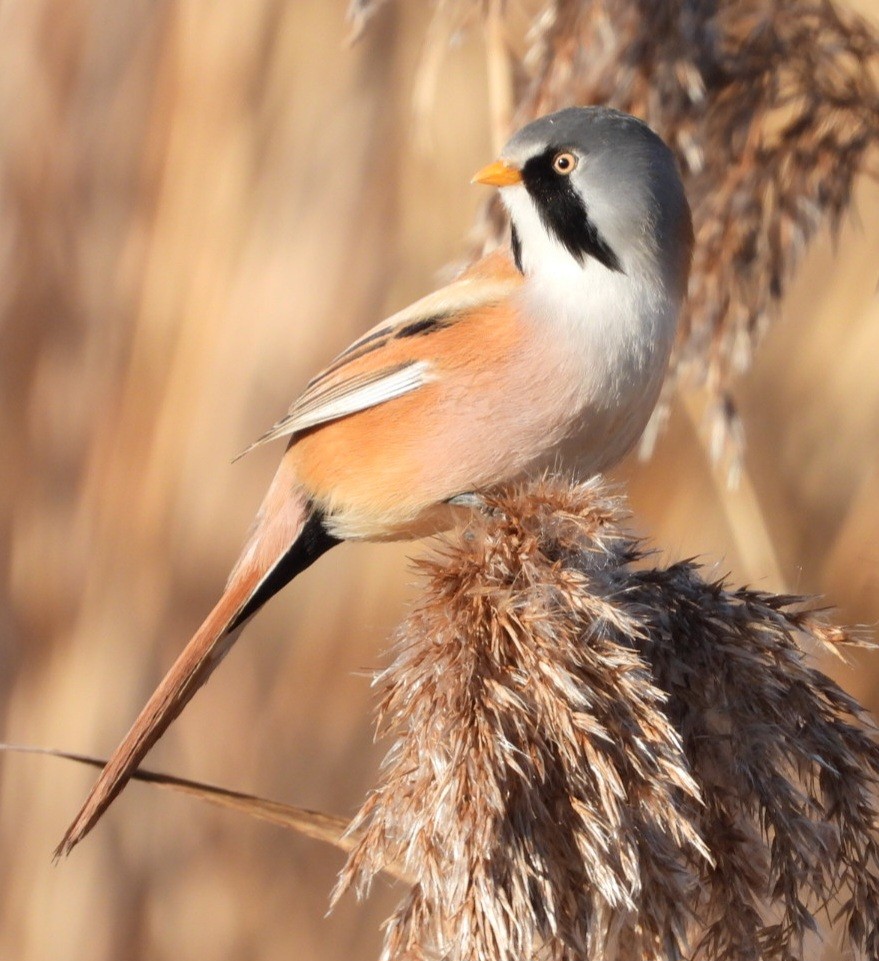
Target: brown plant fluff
596, 759
773, 111
772, 108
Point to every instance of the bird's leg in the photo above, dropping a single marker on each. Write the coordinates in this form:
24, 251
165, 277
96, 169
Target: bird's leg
475, 502
470, 499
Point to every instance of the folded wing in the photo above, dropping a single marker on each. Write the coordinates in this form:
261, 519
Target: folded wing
371, 372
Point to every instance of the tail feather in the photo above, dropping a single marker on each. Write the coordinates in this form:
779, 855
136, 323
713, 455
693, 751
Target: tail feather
251, 585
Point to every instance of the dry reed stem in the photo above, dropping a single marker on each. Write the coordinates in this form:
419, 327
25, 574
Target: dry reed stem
593, 759
498, 69
740, 504
329, 828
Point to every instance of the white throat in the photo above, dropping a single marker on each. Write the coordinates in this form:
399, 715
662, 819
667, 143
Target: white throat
614, 329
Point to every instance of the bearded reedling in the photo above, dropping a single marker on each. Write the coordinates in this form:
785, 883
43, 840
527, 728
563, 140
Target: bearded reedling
563, 337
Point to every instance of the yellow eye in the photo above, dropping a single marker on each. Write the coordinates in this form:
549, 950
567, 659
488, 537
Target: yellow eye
563, 163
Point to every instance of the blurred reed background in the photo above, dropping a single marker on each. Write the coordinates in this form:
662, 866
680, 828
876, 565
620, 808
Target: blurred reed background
199, 205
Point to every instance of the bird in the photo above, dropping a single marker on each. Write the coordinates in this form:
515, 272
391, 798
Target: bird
560, 339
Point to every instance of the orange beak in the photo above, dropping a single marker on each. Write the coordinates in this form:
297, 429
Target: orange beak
498, 174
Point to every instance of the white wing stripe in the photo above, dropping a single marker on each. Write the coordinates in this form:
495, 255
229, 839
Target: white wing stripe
348, 398
401, 381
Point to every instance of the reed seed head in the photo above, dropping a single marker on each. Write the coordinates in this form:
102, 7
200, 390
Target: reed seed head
596, 759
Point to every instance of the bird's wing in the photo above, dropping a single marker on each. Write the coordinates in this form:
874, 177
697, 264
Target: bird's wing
347, 395
373, 370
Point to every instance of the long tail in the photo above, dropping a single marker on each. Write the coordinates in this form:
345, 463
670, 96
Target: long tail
289, 536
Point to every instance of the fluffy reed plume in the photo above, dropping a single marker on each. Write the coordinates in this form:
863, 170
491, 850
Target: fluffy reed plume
773, 110
595, 759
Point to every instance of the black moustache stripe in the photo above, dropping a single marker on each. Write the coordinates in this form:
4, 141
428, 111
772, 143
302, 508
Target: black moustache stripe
564, 213
516, 244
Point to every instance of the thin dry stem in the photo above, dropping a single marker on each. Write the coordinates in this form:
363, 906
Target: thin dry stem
499, 70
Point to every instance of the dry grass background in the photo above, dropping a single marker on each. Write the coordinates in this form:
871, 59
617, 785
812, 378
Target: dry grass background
197, 207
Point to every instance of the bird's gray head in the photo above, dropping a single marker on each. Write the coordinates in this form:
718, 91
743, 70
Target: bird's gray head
593, 184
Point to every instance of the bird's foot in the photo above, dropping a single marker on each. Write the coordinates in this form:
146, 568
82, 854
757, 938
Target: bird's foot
472, 500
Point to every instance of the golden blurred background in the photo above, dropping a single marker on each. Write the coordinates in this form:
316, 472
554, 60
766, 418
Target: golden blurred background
200, 204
